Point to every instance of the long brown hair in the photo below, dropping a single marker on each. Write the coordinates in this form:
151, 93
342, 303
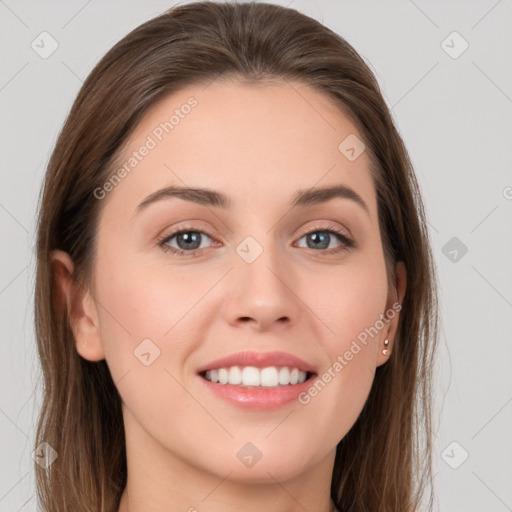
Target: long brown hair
384, 462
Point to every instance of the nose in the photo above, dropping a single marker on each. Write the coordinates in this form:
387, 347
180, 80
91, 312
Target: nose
263, 294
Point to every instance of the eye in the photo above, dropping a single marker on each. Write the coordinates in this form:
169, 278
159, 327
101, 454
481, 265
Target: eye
187, 239
320, 238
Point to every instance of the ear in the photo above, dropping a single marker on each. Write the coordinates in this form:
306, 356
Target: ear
81, 308
393, 307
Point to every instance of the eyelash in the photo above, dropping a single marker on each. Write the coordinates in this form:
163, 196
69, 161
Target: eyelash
346, 242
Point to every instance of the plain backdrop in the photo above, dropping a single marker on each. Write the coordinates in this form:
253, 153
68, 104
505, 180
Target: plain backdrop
445, 69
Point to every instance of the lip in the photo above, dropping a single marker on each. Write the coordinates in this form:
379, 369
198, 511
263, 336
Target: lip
257, 399
258, 360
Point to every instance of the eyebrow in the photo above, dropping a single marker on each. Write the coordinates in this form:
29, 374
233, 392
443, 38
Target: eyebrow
208, 197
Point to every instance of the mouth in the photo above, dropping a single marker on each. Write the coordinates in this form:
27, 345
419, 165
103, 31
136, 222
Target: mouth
252, 377
260, 381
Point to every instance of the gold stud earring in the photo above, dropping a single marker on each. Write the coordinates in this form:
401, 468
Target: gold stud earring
386, 351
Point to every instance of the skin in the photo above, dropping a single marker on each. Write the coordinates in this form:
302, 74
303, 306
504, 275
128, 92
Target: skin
258, 144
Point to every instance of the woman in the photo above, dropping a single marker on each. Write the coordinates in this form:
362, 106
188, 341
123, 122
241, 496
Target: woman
235, 294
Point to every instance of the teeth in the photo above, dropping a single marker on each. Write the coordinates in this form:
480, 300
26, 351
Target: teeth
270, 377
235, 375
284, 376
223, 376
250, 376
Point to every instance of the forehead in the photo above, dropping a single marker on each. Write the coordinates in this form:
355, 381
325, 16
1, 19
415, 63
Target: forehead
259, 143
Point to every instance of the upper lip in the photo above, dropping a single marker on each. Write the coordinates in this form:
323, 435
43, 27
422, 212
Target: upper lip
259, 360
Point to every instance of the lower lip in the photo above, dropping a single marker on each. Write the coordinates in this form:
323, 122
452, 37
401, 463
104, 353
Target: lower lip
257, 398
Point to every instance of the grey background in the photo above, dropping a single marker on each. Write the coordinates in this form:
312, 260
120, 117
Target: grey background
455, 115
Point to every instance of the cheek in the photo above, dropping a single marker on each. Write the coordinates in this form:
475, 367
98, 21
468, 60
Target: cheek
348, 299
350, 311
143, 320
142, 309
146, 299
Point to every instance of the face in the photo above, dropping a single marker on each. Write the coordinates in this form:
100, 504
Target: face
267, 269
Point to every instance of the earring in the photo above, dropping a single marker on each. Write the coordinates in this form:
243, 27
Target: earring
386, 351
